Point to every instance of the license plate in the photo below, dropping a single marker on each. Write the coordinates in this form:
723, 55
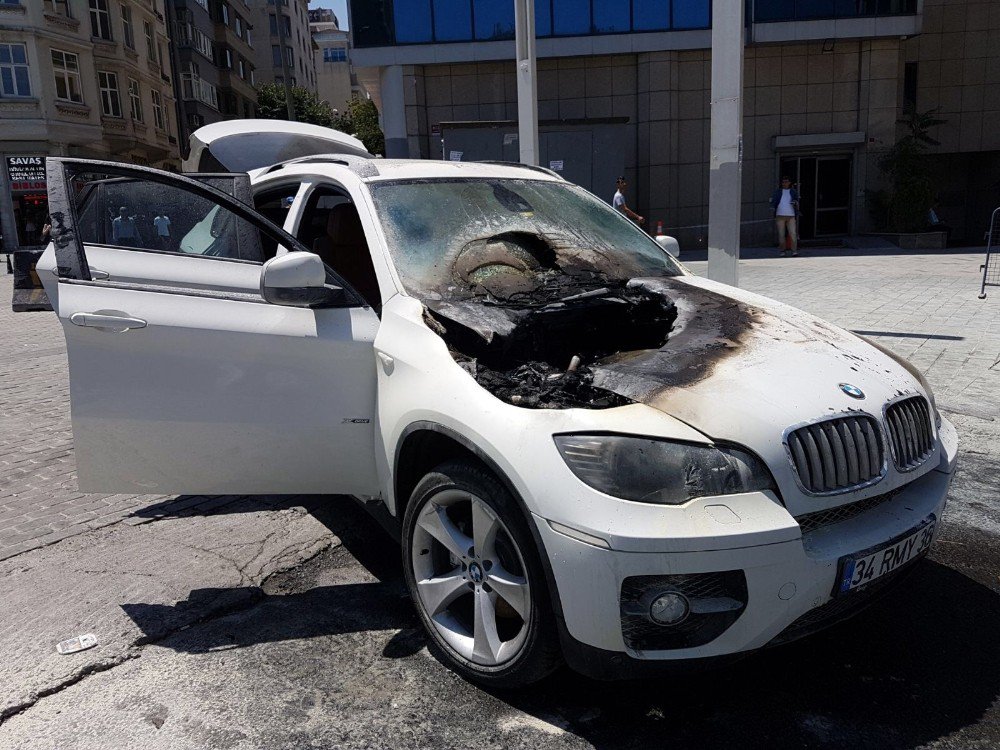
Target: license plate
862, 568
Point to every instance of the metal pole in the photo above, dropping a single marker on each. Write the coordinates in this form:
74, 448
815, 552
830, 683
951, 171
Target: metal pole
527, 91
279, 18
726, 167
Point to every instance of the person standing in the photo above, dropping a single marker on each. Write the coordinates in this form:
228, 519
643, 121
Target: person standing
785, 205
123, 229
621, 206
162, 224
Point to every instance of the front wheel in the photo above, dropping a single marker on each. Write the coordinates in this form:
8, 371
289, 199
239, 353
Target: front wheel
476, 578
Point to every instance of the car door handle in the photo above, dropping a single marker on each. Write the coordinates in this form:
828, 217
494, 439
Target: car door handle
104, 322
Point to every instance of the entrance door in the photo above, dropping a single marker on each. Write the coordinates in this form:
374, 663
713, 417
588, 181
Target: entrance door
824, 185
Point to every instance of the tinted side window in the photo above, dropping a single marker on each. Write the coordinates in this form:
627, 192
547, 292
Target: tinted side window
157, 217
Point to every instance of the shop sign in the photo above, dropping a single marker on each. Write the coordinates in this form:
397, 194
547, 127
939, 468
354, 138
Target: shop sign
27, 173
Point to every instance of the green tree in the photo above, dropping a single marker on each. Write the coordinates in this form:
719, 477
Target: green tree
904, 205
361, 120
307, 106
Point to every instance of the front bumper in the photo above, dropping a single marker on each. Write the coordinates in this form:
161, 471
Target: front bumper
785, 582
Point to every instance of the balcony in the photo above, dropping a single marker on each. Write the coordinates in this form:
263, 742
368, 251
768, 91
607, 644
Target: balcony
199, 90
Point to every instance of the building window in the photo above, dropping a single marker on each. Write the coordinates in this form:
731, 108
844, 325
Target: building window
493, 20
14, 79
111, 101
274, 24
202, 3
452, 20
413, 20
651, 15
224, 10
691, 15
226, 58
135, 99
189, 36
127, 35
158, 111
334, 54
243, 69
196, 88
59, 7
100, 19
239, 27
147, 29
66, 69
275, 56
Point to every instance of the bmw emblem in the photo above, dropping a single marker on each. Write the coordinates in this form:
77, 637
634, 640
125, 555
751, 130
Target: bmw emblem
852, 390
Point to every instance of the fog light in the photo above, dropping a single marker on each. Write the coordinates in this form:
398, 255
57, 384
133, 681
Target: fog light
669, 608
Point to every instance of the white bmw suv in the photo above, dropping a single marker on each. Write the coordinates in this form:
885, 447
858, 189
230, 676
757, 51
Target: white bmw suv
588, 453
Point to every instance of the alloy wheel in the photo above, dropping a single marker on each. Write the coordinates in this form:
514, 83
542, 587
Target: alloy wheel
471, 580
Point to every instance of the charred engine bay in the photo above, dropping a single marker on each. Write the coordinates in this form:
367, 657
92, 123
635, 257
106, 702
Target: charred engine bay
529, 329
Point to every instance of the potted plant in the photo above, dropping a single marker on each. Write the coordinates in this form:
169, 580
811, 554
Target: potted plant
901, 209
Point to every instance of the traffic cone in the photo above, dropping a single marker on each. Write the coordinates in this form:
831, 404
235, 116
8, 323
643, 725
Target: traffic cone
659, 228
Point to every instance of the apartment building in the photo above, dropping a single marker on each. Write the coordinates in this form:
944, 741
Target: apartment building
214, 56
286, 46
332, 58
88, 78
624, 87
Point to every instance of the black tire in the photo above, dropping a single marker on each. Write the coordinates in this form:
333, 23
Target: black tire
539, 655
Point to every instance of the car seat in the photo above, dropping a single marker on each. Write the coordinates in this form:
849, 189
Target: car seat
344, 249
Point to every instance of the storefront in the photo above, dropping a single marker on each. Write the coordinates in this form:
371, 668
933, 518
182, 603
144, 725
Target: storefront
24, 215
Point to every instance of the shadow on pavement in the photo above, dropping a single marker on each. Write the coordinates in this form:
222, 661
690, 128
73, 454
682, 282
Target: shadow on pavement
918, 665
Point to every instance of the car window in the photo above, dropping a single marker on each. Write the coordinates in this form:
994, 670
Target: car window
275, 203
450, 235
331, 227
152, 216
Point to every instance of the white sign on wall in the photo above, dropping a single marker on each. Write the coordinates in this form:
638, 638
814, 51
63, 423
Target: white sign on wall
556, 165
455, 156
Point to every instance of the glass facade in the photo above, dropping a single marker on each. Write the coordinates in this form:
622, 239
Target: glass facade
380, 23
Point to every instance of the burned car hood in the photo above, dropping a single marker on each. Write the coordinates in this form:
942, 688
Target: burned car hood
736, 364
733, 365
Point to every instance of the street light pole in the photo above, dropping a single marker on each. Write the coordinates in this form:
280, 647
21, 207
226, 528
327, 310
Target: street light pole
726, 167
527, 90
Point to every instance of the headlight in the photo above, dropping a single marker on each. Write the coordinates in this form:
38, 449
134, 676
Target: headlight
661, 471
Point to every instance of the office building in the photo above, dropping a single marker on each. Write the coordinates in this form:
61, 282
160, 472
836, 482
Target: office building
624, 86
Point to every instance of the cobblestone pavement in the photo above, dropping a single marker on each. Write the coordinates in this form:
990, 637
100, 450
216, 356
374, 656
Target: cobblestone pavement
923, 306
39, 502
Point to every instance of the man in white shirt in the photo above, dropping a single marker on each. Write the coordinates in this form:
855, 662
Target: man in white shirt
162, 224
621, 206
785, 204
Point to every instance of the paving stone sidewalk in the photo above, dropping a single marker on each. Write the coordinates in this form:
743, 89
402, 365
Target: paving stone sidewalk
923, 306
39, 502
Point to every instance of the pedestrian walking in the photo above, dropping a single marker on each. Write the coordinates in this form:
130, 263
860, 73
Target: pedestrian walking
785, 205
161, 222
123, 229
621, 205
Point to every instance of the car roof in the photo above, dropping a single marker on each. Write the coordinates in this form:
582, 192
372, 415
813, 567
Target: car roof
262, 147
381, 170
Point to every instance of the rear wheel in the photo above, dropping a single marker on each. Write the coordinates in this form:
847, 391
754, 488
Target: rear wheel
475, 576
